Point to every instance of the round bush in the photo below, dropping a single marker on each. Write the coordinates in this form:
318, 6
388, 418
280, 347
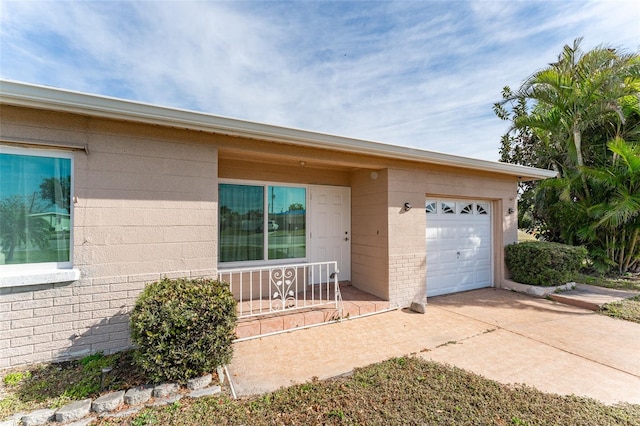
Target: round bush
183, 328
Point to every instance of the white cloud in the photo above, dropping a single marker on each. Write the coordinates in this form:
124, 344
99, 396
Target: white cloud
421, 74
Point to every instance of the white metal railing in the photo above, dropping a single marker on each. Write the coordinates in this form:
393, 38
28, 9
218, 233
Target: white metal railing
277, 288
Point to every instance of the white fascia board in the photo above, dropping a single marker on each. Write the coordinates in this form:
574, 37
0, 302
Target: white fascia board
41, 97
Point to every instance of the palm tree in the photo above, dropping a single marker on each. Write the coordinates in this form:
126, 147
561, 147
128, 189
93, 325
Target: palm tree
18, 227
578, 92
617, 217
562, 118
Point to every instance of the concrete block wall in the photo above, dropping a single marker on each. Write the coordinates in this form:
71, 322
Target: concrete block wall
70, 320
407, 246
408, 275
146, 207
370, 232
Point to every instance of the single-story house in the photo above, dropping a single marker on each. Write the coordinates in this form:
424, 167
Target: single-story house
59, 220
154, 192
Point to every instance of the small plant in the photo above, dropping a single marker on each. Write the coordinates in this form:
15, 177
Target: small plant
92, 359
544, 263
147, 417
183, 328
13, 379
336, 414
88, 382
174, 407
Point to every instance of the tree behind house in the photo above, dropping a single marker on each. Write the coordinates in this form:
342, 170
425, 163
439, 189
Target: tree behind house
580, 117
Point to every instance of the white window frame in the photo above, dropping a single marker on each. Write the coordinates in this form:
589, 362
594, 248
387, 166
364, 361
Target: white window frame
265, 262
46, 272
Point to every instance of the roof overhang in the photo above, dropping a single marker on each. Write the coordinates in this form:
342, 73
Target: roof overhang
53, 99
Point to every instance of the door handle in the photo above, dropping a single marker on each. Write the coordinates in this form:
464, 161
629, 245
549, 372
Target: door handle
458, 254
346, 238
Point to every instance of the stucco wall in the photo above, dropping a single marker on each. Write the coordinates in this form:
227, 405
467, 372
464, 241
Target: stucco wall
146, 208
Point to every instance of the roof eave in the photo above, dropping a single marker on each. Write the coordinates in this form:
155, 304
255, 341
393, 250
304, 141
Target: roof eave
47, 98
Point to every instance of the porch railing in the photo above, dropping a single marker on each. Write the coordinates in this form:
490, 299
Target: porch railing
279, 288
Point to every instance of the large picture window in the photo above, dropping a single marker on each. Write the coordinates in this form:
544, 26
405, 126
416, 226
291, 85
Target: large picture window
35, 208
261, 222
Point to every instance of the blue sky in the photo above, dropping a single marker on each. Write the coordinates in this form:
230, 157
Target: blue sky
22, 177
420, 74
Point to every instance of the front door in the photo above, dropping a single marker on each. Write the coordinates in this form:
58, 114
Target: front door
330, 227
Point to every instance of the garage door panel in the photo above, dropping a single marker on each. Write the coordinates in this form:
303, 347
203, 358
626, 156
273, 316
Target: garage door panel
484, 252
446, 266
448, 234
484, 277
446, 280
458, 246
432, 234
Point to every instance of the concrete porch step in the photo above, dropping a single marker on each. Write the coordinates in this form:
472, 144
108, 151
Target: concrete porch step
257, 326
591, 297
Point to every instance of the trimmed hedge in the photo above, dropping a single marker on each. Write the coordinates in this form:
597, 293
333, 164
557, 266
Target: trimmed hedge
543, 263
183, 328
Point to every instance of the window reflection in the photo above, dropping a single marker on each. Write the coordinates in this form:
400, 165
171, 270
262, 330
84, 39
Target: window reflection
287, 222
244, 228
35, 209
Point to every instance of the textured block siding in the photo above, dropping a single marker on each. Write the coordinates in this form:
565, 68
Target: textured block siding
407, 279
146, 207
147, 201
69, 320
369, 232
407, 230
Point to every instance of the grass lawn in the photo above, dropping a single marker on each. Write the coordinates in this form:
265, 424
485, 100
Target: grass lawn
525, 236
628, 309
631, 282
399, 391
405, 390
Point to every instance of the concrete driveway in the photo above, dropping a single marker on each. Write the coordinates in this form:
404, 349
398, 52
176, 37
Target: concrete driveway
502, 335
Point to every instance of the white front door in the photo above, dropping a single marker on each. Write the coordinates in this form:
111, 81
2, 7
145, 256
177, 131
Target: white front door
458, 246
330, 227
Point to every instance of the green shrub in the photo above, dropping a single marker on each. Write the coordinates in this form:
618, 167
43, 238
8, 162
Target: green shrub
543, 263
183, 328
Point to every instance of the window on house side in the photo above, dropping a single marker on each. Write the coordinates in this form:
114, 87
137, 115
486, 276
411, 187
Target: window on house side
36, 218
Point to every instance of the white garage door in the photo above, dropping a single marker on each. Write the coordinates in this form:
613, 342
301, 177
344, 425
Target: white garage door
458, 245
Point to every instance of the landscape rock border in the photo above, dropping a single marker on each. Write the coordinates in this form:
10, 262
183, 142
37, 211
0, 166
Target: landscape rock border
117, 404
